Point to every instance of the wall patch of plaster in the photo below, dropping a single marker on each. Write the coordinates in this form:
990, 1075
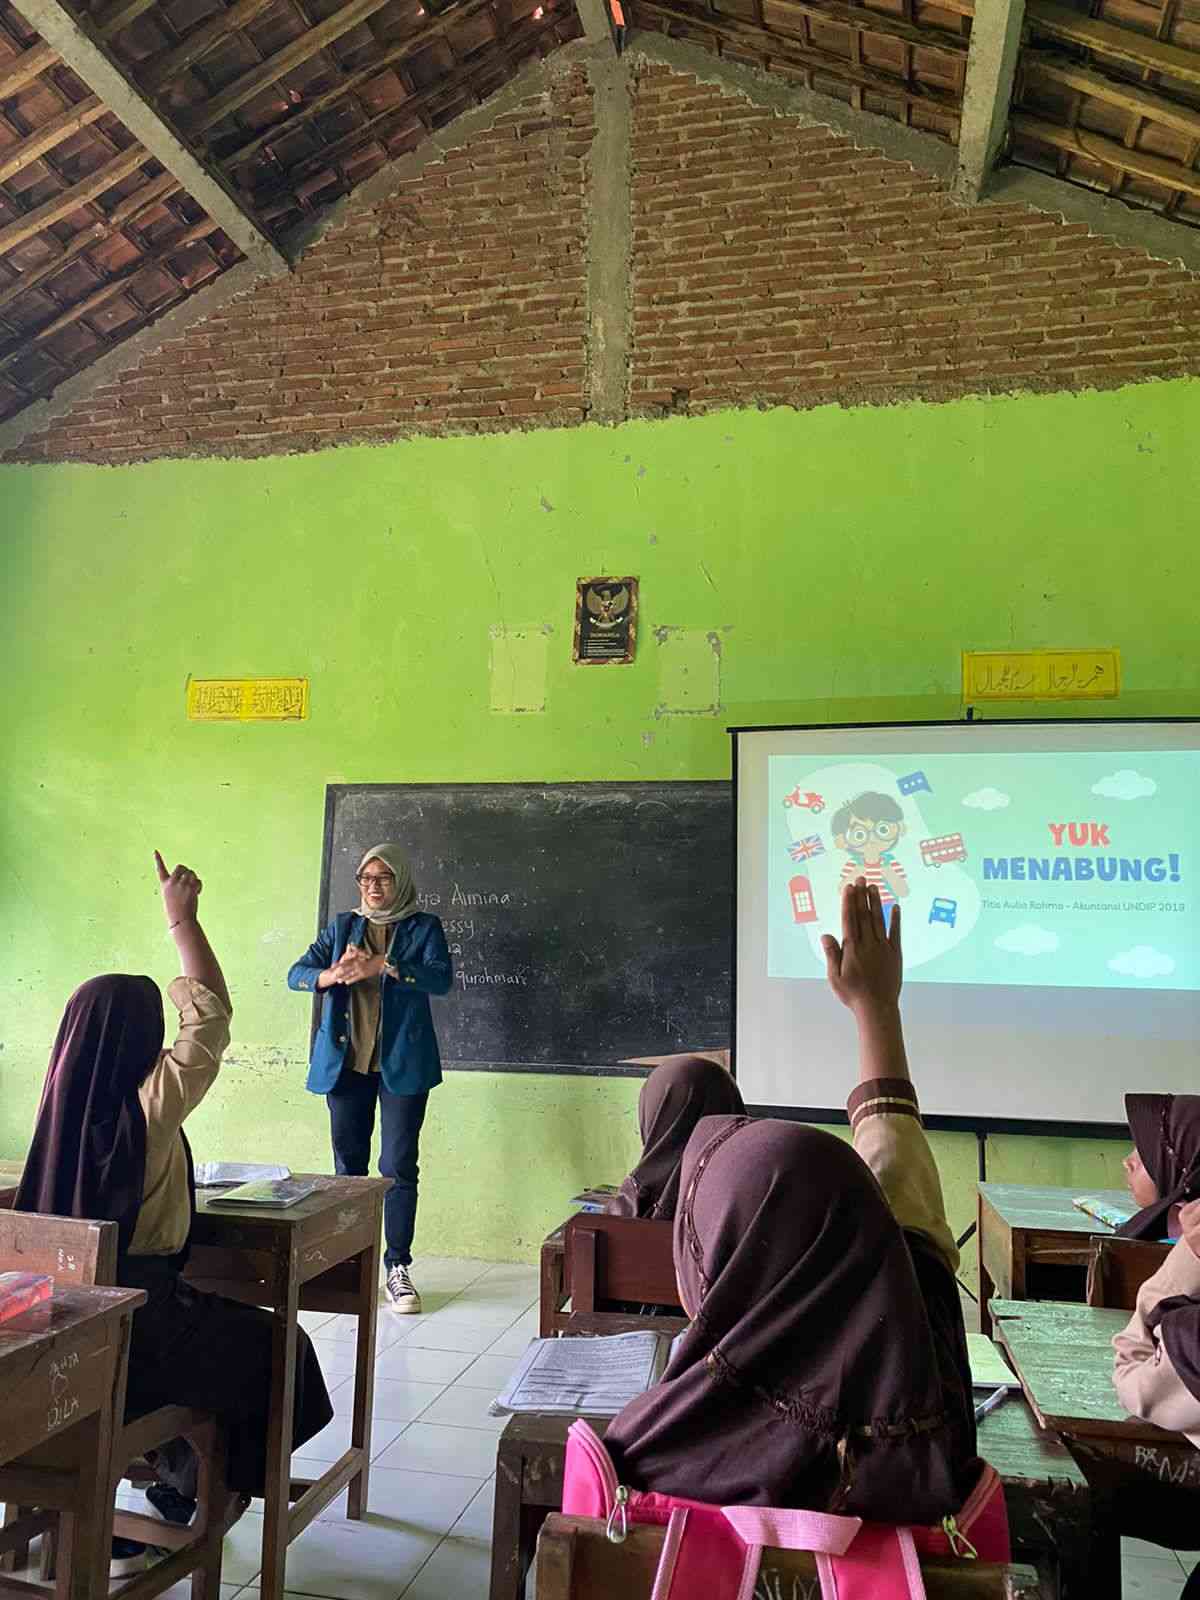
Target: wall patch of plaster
520, 662
689, 672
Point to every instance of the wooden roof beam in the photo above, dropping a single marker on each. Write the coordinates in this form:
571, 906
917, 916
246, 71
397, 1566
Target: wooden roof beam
49, 136
1118, 44
1109, 153
280, 64
91, 62
987, 93
79, 194
1135, 98
19, 70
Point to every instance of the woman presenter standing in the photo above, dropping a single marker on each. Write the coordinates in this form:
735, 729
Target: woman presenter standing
377, 967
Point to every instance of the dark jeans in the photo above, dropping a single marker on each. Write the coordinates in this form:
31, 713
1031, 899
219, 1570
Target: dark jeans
352, 1124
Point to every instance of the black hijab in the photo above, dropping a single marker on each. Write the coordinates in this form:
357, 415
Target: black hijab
88, 1155
812, 1374
1166, 1132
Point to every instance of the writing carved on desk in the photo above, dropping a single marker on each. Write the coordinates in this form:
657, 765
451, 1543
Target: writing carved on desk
1167, 1468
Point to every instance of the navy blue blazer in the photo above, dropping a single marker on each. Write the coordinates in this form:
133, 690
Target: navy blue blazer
409, 1059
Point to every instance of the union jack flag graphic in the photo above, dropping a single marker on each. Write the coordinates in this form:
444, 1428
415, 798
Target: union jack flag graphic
805, 849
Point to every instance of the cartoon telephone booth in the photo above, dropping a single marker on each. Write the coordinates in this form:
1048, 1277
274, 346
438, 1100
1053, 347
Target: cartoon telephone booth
803, 908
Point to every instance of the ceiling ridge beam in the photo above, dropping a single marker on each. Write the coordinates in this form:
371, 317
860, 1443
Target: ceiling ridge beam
987, 93
91, 62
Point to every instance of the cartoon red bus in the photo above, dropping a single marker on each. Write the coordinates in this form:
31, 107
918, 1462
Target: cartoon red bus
943, 849
803, 906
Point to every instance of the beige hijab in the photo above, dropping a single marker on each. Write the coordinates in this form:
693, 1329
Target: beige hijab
404, 901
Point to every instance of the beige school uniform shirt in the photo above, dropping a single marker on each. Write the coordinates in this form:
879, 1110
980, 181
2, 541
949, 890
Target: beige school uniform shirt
1146, 1381
886, 1127
175, 1087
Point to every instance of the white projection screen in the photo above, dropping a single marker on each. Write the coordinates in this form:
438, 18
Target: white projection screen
1047, 874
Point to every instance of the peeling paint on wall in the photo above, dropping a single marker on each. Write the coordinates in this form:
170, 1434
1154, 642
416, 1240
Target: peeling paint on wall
520, 662
689, 672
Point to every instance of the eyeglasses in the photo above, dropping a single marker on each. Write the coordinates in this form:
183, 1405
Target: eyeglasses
368, 880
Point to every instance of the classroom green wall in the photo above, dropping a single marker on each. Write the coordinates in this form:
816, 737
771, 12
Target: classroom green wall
839, 559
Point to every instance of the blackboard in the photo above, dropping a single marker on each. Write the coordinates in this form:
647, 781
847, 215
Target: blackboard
588, 922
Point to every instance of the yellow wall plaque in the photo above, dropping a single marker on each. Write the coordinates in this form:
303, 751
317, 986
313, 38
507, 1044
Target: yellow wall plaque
247, 699
1040, 675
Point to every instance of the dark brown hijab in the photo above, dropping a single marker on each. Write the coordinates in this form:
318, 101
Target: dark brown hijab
1178, 1322
88, 1155
1166, 1131
810, 1376
673, 1099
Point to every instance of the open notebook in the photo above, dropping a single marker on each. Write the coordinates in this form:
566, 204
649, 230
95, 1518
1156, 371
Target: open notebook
278, 1192
598, 1377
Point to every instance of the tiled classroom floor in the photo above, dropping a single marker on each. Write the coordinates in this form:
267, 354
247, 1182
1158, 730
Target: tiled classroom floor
428, 1531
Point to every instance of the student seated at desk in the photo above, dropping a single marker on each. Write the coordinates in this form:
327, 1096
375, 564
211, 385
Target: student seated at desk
109, 1145
826, 1364
1157, 1378
674, 1097
1163, 1168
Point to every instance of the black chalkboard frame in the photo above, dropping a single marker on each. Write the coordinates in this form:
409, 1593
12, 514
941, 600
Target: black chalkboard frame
335, 792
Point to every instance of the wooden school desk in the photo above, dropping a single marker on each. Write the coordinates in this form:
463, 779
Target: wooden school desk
58, 1389
1063, 1356
1049, 1505
1034, 1244
319, 1255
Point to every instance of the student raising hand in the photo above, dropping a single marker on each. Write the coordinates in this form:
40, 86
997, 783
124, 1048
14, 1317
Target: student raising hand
865, 971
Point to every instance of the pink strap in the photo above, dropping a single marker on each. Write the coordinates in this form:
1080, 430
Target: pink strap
819, 1531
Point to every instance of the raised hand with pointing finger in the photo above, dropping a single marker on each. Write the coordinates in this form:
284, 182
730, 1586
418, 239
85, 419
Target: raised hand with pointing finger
181, 902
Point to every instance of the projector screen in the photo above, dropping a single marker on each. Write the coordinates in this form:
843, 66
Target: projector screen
1047, 874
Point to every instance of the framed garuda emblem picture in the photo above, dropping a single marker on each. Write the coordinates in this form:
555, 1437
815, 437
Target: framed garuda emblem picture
605, 619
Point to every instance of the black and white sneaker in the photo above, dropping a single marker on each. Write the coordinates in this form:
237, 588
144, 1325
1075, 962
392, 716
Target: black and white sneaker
401, 1295
126, 1558
170, 1505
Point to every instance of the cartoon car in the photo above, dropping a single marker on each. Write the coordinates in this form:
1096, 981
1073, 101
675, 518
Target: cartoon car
801, 895
944, 911
943, 849
805, 800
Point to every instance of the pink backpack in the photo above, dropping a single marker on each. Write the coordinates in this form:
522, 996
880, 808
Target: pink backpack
715, 1551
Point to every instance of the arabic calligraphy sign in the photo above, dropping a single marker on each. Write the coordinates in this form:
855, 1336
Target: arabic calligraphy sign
247, 699
1040, 675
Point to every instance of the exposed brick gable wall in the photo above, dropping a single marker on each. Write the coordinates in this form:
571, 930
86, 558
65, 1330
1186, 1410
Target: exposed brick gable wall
779, 264
772, 264
457, 303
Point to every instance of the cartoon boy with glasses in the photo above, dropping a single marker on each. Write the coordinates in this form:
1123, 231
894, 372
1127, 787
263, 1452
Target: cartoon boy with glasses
867, 827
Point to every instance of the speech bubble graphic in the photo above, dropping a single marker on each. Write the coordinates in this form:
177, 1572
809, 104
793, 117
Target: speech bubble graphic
912, 782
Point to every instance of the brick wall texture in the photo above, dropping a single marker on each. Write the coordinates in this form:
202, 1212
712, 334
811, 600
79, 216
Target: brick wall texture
772, 264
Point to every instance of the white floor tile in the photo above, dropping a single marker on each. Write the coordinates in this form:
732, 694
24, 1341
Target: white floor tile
440, 1332
344, 1330
1143, 1579
356, 1560
335, 1355
241, 1558
310, 1321
489, 1372
413, 1360
460, 1569
402, 1399
426, 1502
431, 1447
458, 1407
514, 1341
333, 1442
1142, 1549
183, 1589
476, 1520
447, 1272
